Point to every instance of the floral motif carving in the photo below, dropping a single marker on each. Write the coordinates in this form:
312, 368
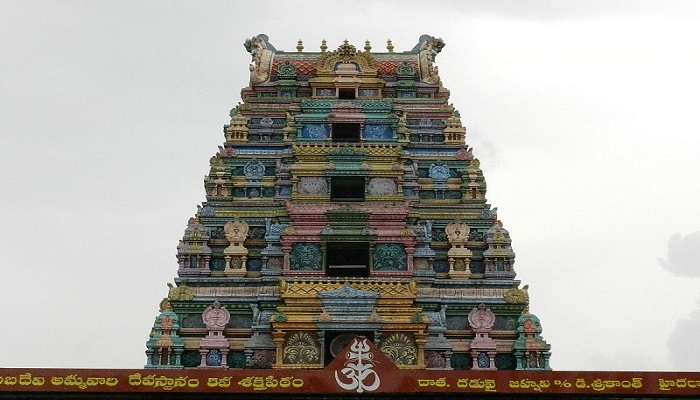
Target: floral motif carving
377, 132
406, 70
262, 359
314, 131
439, 172
305, 257
482, 360
381, 186
254, 170
389, 257
400, 348
313, 185
301, 348
213, 358
287, 71
266, 121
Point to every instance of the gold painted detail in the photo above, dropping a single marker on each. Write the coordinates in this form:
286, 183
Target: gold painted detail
346, 54
400, 348
370, 149
301, 348
311, 288
180, 293
462, 293
252, 214
242, 291
517, 296
455, 214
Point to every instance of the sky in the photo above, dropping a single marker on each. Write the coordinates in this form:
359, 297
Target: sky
584, 115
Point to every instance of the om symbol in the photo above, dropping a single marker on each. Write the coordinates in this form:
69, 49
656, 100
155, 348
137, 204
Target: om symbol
358, 372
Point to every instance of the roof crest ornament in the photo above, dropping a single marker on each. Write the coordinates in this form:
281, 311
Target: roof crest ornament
347, 54
427, 48
262, 53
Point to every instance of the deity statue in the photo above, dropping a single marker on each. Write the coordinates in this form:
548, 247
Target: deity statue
215, 317
180, 293
236, 231
481, 318
236, 254
262, 53
402, 127
458, 256
457, 232
427, 48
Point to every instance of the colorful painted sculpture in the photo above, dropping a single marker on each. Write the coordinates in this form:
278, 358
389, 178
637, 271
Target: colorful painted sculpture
345, 201
214, 347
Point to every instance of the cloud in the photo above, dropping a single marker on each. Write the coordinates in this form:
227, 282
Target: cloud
685, 354
683, 255
546, 10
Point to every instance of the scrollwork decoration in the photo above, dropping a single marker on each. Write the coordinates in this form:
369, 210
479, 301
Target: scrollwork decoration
400, 348
301, 348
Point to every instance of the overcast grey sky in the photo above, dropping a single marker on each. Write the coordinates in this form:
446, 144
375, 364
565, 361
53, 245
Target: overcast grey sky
584, 115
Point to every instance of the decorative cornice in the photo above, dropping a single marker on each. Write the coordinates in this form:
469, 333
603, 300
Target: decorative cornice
372, 150
312, 288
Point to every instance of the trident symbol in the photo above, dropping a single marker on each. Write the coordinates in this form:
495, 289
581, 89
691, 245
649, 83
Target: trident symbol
358, 369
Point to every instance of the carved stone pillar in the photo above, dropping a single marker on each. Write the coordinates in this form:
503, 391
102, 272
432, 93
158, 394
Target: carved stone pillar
421, 340
224, 358
448, 360
149, 358
278, 339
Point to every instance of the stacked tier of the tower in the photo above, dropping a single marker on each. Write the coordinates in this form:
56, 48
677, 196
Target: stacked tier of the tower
345, 201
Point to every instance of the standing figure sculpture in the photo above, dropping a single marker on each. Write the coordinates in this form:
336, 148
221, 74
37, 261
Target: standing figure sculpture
262, 53
236, 254
427, 48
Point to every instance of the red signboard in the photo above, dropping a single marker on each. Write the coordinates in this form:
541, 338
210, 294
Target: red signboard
666, 384
362, 369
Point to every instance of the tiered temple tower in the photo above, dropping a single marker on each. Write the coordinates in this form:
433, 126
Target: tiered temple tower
345, 201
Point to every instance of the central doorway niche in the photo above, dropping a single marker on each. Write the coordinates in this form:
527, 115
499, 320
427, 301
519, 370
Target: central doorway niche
336, 341
345, 133
347, 188
346, 93
347, 259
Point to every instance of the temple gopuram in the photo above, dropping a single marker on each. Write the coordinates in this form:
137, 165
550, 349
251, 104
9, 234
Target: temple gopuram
345, 250
345, 201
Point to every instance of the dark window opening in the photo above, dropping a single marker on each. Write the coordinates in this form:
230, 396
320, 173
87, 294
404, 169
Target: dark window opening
347, 188
347, 259
346, 93
346, 132
336, 341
